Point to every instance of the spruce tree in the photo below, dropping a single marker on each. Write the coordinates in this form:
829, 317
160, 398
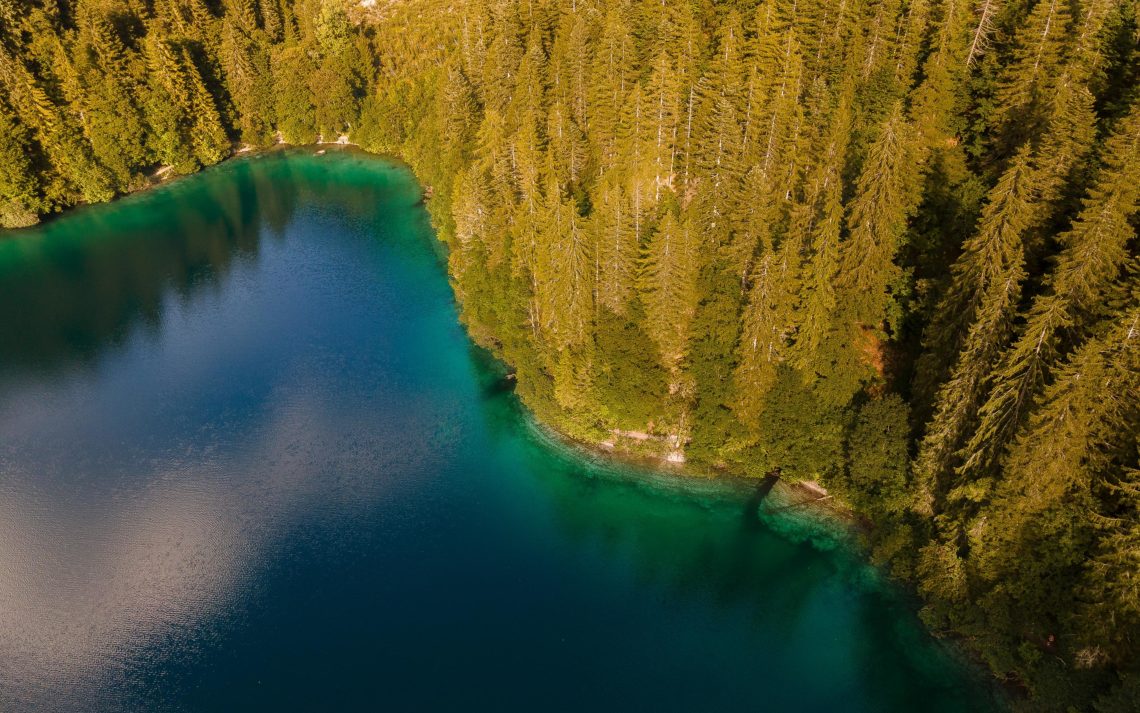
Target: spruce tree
667, 288
618, 249
207, 134
564, 270
1094, 252
1038, 50
768, 323
876, 219
19, 189
820, 220
980, 305
246, 66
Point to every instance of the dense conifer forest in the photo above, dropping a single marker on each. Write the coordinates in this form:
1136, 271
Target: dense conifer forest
887, 245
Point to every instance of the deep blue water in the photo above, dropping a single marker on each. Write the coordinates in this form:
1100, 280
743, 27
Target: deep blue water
249, 461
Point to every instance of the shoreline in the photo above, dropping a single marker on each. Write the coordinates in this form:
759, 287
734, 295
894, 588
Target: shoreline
164, 175
790, 497
785, 495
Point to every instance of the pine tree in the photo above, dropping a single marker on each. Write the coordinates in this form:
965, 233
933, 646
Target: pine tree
768, 324
19, 189
294, 110
1110, 615
68, 152
820, 220
980, 306
660, 121
567, 144
499, 66
986, 13
1094, 252
336, 84
207, 135
242, 14
776, 118
937, 102
719, 140
113, 121
882, 29
876, 221
1039, 47
1070, 461
618, 249
168, 107
460, 109
667, 287
770, 138
1085, 411
610, 80
564, 268
272, 19
1067, 139
908, 49
246, 67
570, 72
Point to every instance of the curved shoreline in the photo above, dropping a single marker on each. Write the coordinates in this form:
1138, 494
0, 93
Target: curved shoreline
802, 501
808, 496
164, 176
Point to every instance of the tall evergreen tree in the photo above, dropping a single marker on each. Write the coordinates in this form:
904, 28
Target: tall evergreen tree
564, 269
979, 306
768, 323
821, 221
884, 199
667, 286
246, 65
1095, 251
19, 201
1038, 50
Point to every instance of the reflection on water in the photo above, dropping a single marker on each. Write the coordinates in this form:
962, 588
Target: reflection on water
84, 294
249, 461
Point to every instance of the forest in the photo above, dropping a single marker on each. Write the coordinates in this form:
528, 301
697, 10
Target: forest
885, 245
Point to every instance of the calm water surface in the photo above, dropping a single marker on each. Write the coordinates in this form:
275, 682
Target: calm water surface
249, 461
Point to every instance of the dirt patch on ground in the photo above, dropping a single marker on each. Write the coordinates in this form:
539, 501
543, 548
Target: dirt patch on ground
873, 349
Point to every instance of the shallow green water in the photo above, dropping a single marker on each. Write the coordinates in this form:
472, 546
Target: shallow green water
249, 461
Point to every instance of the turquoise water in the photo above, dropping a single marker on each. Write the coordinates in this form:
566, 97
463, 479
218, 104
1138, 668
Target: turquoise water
249, 461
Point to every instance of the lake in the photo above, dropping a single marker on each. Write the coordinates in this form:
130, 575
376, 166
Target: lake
250, 461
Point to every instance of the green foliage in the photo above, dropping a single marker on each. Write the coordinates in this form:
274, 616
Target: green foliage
106, 93
877, 461
296, 119
667, 287
246, 65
